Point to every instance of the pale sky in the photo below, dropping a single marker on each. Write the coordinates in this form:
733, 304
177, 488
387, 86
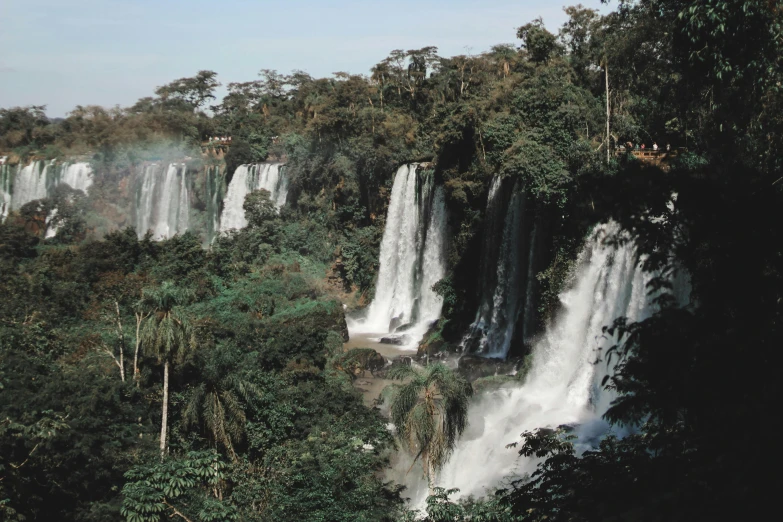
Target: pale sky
63, 53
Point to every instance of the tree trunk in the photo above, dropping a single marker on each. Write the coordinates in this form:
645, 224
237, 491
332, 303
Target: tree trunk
139, 318
430, 476
165, 414
122, 341
606, 70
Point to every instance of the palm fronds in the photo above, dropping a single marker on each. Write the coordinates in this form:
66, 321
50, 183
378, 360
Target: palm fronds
430, 411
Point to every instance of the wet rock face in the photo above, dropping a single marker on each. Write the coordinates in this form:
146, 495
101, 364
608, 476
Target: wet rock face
343, 325
432, 345
357, 361
396, 340
473, 367
400, 360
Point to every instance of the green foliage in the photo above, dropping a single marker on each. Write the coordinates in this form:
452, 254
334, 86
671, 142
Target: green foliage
539, 43
429, 411
539, 168
217, 404
167, 334
177, 487
244, 153
190, 92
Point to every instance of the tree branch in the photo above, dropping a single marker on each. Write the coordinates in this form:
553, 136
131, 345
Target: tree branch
176, 511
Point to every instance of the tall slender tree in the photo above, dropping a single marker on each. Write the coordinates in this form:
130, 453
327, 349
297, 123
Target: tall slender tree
168, 335
430, 411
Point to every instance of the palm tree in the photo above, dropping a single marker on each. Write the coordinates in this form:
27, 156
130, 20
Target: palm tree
167, 335
216, 404
430, 411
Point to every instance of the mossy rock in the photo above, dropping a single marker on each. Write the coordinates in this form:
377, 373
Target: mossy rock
356, 361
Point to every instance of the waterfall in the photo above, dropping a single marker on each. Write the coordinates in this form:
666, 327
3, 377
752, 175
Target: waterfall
31, 183
507, 273
412, 260
6, 189
51, 228
163, 201
76, 175
246, 179
563, 385
37, 180
214, 192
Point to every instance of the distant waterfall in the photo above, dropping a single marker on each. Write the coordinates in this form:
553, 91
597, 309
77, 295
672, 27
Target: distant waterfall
412, 259
507, 271
76, 175
564, 383
37, 180
246, 179
6, 189
163, 201
32, 182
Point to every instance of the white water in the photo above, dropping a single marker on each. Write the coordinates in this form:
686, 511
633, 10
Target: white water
246, 179
412, 260
37, 180
563, 385
30, 183
51, 226
77, 175
163, 201
6, 186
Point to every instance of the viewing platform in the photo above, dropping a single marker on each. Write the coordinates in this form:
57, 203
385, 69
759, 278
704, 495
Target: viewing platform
217, 149
658, 158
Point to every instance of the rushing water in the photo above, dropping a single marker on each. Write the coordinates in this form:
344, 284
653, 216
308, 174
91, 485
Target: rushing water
563, 384
6, 189
214, 187
163, 201
20, 185
246, 179
507, 272
412, 260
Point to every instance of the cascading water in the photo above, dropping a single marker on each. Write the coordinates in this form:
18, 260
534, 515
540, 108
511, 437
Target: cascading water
214, 187
246, 179
507, 269
411, 260
163, 201
37, 180
76, 175
31, 183
6, 189
563, 385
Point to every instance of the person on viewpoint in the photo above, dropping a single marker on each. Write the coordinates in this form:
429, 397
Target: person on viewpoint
655, 146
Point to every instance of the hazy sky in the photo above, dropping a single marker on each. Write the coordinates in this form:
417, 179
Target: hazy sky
64, 53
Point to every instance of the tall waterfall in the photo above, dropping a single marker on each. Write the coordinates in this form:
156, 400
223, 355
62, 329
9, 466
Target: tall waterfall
563, 385
214, 188
412, 259
246, 179
163, 201
37, 180
507, 270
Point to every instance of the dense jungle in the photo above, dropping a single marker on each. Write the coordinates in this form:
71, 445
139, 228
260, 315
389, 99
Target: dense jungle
191, 287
